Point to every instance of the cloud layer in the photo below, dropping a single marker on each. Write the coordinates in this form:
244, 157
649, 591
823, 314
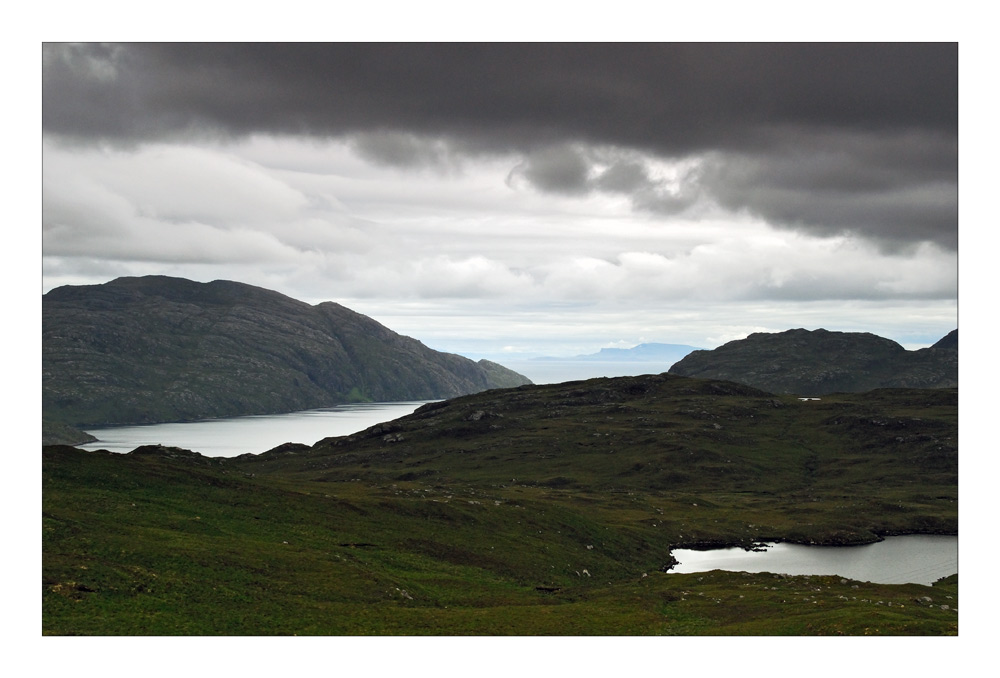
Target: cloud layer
536, 181
857, 138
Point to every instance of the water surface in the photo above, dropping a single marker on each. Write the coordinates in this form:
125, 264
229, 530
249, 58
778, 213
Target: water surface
255, 434
916, 559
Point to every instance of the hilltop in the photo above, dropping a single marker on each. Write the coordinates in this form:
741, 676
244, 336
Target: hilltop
818, 362
156, 349
722, 441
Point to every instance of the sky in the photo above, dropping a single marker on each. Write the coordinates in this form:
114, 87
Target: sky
517, 200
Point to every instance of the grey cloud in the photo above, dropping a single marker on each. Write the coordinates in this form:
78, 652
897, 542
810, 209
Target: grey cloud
625, 176
687, 190
560, 169
824, 138
631, 178
671, 98
398, 149
894, 190
571, 170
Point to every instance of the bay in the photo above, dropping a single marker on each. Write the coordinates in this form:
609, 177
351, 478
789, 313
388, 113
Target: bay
233, 436
916, 559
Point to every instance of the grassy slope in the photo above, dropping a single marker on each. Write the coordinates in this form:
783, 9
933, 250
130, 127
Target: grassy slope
413, 528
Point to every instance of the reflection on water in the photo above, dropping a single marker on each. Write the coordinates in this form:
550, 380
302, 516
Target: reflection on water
255, 434
917, 559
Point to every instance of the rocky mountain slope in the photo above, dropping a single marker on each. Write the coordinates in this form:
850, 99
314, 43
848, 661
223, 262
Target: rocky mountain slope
818, 362
155, 349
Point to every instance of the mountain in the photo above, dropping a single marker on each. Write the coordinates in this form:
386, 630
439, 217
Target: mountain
652, 352
156, 349
818, 362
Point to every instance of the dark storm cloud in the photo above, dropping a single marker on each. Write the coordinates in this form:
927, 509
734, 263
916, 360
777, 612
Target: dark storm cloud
896, 188
882, 117
675, 99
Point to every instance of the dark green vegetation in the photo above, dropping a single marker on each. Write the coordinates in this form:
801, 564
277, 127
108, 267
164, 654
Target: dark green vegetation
533, 510
155, 349
812, 363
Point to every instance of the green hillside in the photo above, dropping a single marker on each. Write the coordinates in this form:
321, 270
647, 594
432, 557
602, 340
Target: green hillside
531, 510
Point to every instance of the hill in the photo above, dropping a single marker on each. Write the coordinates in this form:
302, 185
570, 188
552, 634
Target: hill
526, 511
818, 362
675, 435
157, 349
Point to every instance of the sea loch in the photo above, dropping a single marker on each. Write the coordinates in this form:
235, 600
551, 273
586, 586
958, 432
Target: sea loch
233, 436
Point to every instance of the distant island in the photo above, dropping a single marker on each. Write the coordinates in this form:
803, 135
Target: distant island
158, 349
646, 358
650, 352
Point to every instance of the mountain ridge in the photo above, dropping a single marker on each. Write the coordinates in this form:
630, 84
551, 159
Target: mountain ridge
819, 362
157, 348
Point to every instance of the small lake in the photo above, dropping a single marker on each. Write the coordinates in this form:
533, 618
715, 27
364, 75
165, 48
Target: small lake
910, 559
255, 434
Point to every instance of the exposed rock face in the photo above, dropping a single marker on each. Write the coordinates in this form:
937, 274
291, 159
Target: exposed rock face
813, 363
154, 349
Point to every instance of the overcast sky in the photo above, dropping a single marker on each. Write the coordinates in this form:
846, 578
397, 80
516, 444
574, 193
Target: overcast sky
520, 200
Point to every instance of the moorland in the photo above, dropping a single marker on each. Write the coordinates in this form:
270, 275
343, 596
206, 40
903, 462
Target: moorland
533, 510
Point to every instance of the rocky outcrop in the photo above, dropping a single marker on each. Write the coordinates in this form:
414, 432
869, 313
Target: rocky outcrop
814, 363
156, 349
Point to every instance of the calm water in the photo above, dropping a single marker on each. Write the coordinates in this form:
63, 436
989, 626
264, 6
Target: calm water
255, 434
916, 559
